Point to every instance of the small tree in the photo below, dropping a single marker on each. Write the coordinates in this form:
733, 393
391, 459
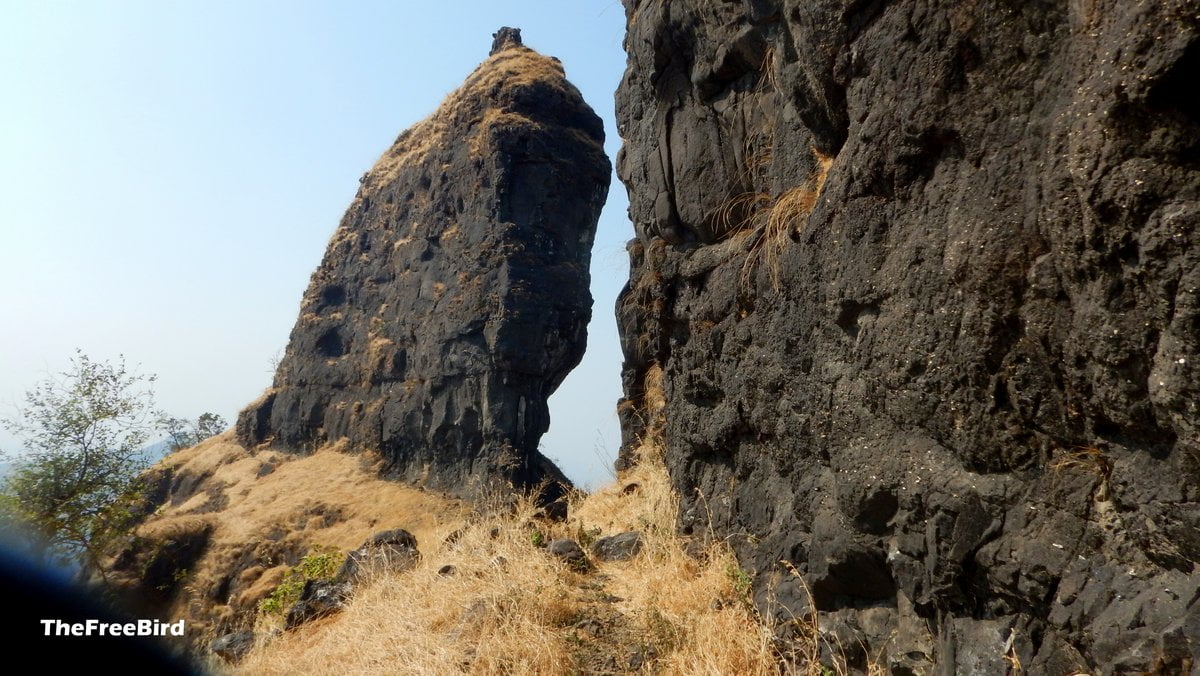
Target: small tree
185, 433
84, 435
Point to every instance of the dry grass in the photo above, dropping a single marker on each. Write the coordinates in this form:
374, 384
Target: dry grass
738, 213
772, 222
511, 608
329, 498
781, 221
330, 479
768, 78
480, 141
481, 97
1088, 459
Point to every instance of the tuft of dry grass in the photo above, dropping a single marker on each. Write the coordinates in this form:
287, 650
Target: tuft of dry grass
509, 607
739, 212
1083, 457
769, 76
772, 222
1088, 459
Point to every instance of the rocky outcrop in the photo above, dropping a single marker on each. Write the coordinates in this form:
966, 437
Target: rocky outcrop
156, 566
318, 598
453, 298
914, 308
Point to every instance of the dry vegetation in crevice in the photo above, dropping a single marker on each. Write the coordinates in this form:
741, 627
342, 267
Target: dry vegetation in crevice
1089, 459
770, 221
767, 220
510, 607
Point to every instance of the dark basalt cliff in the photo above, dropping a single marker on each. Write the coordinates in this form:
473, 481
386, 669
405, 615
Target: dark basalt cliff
915, 308
453, 298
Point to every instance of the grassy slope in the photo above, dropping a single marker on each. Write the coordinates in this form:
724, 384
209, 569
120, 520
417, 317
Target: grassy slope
512, 608
265, 508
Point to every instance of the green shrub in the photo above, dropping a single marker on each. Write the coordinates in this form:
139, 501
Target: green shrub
536, 538
322, 563
739, 578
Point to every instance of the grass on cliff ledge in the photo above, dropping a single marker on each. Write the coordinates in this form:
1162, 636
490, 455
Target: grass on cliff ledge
509, 607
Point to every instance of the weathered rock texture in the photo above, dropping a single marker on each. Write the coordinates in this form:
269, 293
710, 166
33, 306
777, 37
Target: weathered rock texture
453, 298
915, 303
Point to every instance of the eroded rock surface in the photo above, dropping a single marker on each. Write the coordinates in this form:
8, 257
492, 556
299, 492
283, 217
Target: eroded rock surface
453, 298
915, 308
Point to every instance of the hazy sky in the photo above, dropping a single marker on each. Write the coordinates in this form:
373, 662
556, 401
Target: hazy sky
170, 173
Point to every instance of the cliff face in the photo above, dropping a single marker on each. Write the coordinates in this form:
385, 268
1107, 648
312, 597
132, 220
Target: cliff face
453, 298
915, 308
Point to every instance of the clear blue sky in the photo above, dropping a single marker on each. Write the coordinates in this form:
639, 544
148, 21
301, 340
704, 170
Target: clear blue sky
170, 173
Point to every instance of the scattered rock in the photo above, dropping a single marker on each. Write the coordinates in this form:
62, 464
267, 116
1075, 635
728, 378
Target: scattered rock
232, 647
569, 552
392, 551
318, 599
454, 536
639, 658
618, 547
555, 510
588, 626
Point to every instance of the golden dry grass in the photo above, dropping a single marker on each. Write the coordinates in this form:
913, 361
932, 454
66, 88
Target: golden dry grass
516, 66
330, 478
738, 213
1088, 459
511, 608
328, 498
772, 222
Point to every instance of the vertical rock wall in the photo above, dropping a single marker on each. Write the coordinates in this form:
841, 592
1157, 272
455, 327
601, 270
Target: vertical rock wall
453, 298
915, 308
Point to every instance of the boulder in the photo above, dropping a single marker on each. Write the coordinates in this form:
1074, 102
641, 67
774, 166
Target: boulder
233, 646
319, 598
620, 547
569, 552
393, 551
